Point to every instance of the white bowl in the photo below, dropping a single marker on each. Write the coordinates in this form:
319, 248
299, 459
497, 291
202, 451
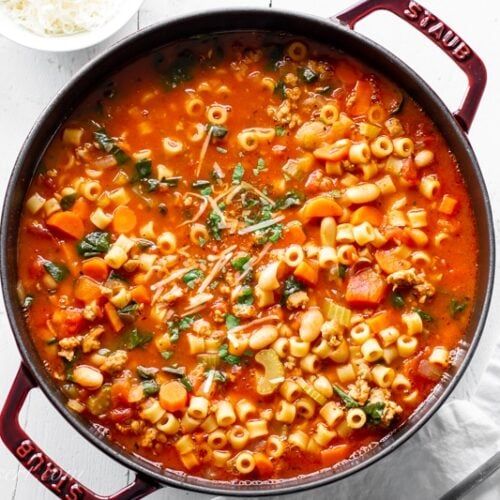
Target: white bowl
67, 43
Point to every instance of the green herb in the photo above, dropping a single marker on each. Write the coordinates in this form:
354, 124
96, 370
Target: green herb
150, 387
397, 300
191, 277
231, 321
146, 372
348, 401
280, 89
230, 359
128, 312
261, 166
218, 131
143, 169
176, 327
213, 222
107, 144
240, 262
179, 371
172, 181
457, 307
238, 174
143, 243
94, 244
291, 286
115, 276
135, 338
207, 191
271, 234
374, 412
342, 271
246, 296
290, 199
166, 354
27, 302
68, 201
186, 383
51, 341
280, 130
220, 376
424, 315
179, 71
307, 75
57, 271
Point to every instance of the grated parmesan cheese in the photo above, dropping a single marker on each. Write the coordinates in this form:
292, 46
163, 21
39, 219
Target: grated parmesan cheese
59, 17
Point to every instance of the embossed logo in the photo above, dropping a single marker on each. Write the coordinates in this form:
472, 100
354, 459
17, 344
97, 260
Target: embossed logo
44, 470
435, 29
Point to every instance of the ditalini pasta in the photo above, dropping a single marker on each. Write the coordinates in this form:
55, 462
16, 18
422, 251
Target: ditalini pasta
244, 257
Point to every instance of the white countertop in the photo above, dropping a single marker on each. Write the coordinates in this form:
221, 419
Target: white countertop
28, 81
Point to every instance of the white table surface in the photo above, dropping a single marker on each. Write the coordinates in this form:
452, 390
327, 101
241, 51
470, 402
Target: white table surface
29, 79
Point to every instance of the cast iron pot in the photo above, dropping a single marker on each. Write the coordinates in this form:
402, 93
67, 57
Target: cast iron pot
338, 33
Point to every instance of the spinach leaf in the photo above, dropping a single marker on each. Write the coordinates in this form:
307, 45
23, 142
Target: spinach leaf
307, 75
94, 244
129, 312
108, 145
150, 387
397, 300
238, 174
186, 383
426, 317
280, 89
68, 201
342, 271
230, 359
166, 354
290, 199
231, 321
456, 307
280, 130
143, 169
135, 338
291, 286
240, 262
179, 71
191, 277
176, 327
213, 221
218, 131
57, 271
348, 401
374, 412
271, 234
274, 55
246, 296
261, 166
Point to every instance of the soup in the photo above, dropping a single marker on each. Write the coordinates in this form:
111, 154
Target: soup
242, 257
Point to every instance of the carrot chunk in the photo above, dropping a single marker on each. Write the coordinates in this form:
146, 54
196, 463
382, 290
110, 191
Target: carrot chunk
320, 206
87, 290
366, 288
447, 205
394, 259
367, 214
141, 294
95, 268
81, 208
263, 464
307, 271
173, 396
67, 223
360, 99
335, 454
379, 322
113, 318
294, 233
124, 219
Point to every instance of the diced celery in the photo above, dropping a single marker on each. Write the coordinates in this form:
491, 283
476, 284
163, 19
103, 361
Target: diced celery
338, 313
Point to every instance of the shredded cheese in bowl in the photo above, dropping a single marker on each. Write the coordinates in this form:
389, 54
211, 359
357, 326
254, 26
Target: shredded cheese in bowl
59, 17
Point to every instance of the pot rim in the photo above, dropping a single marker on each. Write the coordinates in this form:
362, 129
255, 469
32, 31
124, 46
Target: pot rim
141, 466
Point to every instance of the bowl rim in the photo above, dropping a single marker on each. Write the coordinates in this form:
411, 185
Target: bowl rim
68, 43
184, 481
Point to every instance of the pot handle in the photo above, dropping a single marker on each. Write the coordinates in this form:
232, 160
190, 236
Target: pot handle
439, 33
43, 468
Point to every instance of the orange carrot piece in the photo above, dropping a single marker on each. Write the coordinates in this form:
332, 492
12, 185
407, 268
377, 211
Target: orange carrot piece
333, 152
67, 223
320, 206
113, 318
346, 72
71, 257
394, 259
124, 219
447, 205
379, 322
81, 208
366, 288
87, 290
307, 271
263, 464
173, 396
141, 294
360, 99
96, 268
335, 454
294, 233
367, 214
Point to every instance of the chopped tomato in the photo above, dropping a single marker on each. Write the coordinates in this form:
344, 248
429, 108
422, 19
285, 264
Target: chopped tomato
68, 321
